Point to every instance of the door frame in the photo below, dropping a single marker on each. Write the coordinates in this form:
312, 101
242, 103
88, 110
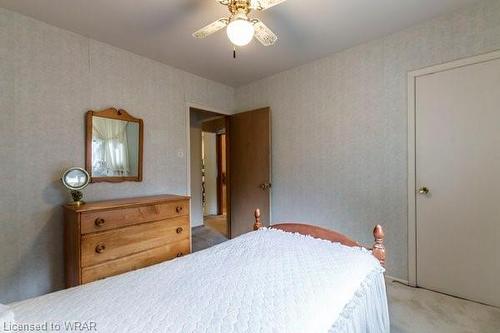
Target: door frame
412, 168
190, 105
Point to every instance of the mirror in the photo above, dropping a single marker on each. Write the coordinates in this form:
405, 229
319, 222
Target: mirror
75, 178
114, 146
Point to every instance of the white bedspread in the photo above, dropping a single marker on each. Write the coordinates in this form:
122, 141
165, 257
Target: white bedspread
264, 281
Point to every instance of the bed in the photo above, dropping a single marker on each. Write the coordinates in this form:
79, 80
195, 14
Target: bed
286, 278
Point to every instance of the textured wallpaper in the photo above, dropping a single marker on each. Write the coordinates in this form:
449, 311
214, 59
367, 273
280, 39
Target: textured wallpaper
340, 126
49, 78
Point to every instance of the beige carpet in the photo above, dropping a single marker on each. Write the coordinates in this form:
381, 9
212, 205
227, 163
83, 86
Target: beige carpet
415, 310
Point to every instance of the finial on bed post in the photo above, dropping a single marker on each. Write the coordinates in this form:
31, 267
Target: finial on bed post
379, 248
257, 225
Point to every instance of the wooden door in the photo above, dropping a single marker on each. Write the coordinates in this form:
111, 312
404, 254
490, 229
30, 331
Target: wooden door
249, 168
458, 181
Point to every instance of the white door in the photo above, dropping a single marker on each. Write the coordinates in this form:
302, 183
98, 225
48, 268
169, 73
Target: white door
458, 162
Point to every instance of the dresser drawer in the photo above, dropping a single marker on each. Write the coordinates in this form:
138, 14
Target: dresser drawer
111, 219
135, 261
99, 247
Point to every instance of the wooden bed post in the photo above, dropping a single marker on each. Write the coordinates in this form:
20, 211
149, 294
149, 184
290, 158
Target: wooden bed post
379, 248
257, 225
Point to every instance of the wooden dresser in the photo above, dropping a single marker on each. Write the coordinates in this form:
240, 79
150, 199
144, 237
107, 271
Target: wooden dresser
106, 238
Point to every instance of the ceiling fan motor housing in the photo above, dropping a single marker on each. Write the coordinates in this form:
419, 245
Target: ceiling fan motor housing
239, 6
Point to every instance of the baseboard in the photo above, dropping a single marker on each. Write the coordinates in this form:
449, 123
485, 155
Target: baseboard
395, 279
197, 227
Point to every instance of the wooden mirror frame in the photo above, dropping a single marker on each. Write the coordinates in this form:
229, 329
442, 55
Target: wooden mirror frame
118, 114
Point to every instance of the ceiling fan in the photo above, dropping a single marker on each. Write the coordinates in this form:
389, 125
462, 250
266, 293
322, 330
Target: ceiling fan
240, 28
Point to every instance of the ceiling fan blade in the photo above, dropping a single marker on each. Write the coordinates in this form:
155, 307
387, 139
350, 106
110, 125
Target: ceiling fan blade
263, 34
264, 4
211, 28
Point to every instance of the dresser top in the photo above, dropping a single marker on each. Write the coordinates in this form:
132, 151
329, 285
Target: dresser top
127, 202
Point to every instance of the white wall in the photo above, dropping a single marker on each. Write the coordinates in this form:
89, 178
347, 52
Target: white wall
210, 156
196, 198
49, 78
340, 126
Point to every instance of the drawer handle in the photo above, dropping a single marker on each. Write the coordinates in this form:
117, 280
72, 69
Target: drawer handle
179, 254
100, 248
178, 209
179, 230
99, 222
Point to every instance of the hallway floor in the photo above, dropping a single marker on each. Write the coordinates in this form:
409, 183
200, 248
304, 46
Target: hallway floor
412, 310
217, 223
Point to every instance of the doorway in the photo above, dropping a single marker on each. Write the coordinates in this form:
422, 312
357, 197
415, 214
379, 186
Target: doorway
229, 173
213, 180
454, 184
208, 155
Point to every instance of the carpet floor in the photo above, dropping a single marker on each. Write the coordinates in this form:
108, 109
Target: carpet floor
415, 310
204, 237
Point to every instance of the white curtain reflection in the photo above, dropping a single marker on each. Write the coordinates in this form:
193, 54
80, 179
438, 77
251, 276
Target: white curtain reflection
109, 147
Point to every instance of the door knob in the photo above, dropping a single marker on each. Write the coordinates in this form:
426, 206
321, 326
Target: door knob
265, 186
423, 190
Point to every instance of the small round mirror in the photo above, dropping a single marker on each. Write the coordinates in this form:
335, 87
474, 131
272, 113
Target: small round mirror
76, 178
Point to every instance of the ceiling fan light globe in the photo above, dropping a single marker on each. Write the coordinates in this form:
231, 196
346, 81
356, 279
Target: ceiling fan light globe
240, 32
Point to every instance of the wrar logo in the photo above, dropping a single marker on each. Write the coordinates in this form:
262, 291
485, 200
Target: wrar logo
80, 326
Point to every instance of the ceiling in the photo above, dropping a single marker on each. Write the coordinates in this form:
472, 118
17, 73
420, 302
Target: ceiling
161, 29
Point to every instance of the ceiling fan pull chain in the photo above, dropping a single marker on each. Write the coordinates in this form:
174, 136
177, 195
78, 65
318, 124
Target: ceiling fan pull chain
234, 52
